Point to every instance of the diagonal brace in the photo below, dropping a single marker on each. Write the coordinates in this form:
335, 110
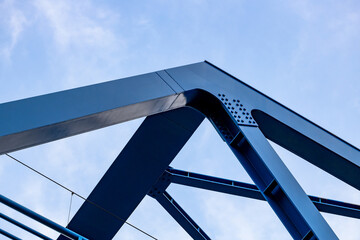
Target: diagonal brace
158, 192
127, 181
251, 191
181, 217
278, 186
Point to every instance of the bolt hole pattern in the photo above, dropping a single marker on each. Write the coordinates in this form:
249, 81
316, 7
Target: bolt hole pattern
237, 110
223, 130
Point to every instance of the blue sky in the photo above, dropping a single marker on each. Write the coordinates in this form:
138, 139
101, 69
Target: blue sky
305, 54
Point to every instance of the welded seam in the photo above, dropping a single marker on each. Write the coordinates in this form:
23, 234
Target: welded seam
165, 82
174, 80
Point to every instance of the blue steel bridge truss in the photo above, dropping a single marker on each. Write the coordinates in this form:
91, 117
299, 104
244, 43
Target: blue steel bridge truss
175, 101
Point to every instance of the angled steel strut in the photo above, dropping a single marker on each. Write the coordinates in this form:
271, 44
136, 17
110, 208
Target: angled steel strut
176, 101
233, 187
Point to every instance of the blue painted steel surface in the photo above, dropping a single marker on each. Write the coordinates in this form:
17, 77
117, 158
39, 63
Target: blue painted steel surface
41, 119
279, 187
26, 228
58, 115
8, 235
278, 123
40, 219
63, 114
269, 173
214, 184
251, 191
181, 217
158, 192
143, 160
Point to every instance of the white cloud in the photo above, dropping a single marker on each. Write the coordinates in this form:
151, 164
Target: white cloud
87, 45
324, 31
13, 21
76, 23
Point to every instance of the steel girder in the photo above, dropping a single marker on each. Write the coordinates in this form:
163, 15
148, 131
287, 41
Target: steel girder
236, 188
186, 222
142, 161
242, 115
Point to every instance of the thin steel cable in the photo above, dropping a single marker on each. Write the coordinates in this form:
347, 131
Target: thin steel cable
71, 197
75, 193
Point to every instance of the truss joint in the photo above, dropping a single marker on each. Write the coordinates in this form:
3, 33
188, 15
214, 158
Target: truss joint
161, 185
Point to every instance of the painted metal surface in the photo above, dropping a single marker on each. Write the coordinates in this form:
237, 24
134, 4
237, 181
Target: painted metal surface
181, 217
280, 188
242, 189
242, 116
41, 119
8, 235
37, 217
142, 161
277, 122
158, 192
23, 226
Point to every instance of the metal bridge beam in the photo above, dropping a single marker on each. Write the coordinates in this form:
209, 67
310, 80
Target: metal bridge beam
158, 192
46, 118
181, 217
49, 117
9, 235
26, 228
142, 161
279, 187
63, 114
242, 189
277, 122
39, 218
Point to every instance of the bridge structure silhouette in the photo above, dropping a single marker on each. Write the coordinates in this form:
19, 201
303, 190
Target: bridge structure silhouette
175, 102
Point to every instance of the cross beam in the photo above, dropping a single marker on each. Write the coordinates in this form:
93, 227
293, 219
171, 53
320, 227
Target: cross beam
242, 189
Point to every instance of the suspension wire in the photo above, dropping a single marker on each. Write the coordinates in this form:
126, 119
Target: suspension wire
80, 196
71, 197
